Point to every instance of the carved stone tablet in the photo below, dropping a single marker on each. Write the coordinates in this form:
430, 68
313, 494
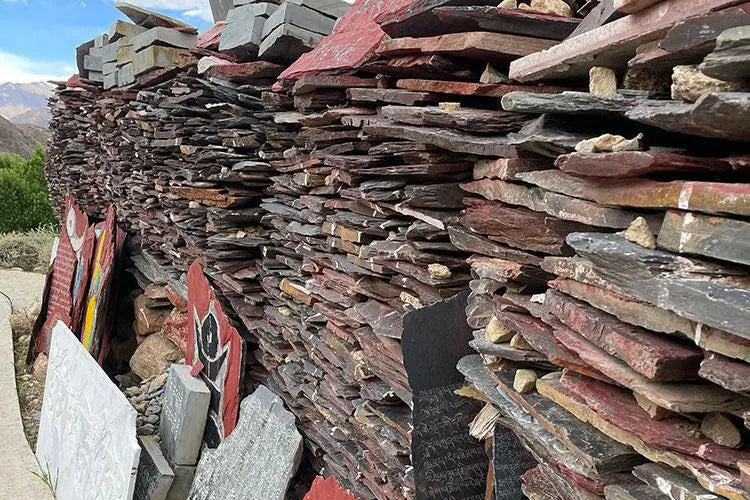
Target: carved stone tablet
87, 445
183, 417
258, 460
448, 463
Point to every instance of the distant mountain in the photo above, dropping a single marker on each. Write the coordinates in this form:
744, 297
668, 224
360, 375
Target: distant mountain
25, 102
20, 139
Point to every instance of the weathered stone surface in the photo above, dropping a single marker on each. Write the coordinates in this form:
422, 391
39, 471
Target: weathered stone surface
184, 412
163, 36
719, 428
719, 115
637, 163
155, 57
244, 72
715, 237
639, 233
471, 89
465, 119
485, 46
287, 42
390, 96
154, 356
728, 373
677, 397
150, 19
440, 416
260, 457
602, 82
654, 356
123, 29
507, 168
466, 240
689, 84
154, 474
610, 45
609, 142
87, 427
675, 283
710, 197
493, 75
566, 103
614, 412
496, 333
654, 411
672, 483
505, 18
243, 31
558, 205
729, 60
524, 381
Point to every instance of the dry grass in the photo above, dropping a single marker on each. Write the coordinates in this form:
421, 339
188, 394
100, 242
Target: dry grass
28, 251
30, 390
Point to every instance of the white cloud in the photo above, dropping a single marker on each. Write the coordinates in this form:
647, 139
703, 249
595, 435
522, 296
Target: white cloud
20, 69
188, 8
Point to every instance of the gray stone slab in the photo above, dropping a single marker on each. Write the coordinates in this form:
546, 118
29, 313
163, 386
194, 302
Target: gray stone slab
150, 19
331, 8
125, 75
108, 68
87, 445
155, 476
96, 76
121, 29
109, 51
165, 37
183, 480
299, 16
244, 28
730, 60
101, 40
286, 43
220, 9
81, 52
158, 57
183, 419
258, 459
92, 63
110, 79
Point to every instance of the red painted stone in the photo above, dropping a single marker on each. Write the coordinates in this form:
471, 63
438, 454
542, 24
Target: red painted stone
215, 344
327, 489
210, 38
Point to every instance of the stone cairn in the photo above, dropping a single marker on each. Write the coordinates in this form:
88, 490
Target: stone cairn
424, 149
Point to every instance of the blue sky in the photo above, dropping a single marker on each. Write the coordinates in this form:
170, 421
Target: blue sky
38, 37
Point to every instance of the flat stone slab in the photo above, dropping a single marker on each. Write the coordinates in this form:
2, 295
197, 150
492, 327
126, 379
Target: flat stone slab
87, 428
497, 19
183, 417
258, 460
730, 59
155, 476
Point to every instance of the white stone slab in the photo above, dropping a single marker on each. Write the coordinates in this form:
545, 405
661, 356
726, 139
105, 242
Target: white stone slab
87, 445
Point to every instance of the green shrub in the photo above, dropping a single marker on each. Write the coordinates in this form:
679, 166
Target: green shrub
30, 251
24, 198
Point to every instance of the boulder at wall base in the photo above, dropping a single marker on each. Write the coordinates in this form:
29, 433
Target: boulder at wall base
154, 355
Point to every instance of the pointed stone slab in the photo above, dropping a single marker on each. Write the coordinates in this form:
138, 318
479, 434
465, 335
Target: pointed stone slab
558, 205
448, 463
672, 483
499, 20
653, 356
616, 413
151, 19
677, 397
566, 103
610, 45
87, 427
638, 163
258, 460
708, 197
468, 241
719, 115
480, 45
466, 119
715, 237
669, 281
327, 489
730, 59
507, 168
726, 372
469, 88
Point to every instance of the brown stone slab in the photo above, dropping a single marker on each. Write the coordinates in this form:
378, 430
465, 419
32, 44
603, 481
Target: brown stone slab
653, 356
715, 237
610, 45
507, 168
423, 66
669, 281
630, 6
615, 413
468, 241
310, 83
677, 397
729, 60
469, 88
245, 72
638, 163
447, 139
520, 227
561, 206
670, 482
708, 197
465, 119
464, 18
390, 96
726, 372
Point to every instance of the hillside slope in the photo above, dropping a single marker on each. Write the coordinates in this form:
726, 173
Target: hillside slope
20, 140
25, 102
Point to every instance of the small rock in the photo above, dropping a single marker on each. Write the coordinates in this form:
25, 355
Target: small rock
157, 383
608, 142
602, 82
557, 7
689, 83
139, 421
520, 343
496, 333
721, 430
146, 430
650, 79
524, 381
133, 391
153, 356
492, 74
654, 411
639, 233
439, 271
508, 4
154, 408
39, 370
411, 300
140, 407
157, 438
449, 106
152, 419
285, 311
